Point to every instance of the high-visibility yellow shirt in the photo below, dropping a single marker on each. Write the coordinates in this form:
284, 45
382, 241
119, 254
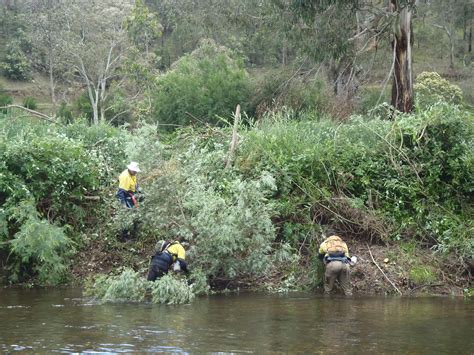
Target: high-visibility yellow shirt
127, 182
177, 251
333, 243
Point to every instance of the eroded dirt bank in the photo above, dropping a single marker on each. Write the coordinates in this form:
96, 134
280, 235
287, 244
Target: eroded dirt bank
381, 269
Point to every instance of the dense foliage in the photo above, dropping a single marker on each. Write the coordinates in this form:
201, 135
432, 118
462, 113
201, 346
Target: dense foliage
408, 179
432, 88
130, 286
159, 83
45, 173
201, 87
16, 65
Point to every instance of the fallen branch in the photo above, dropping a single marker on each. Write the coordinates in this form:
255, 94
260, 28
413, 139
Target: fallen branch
92, 198
33, 112
197, 119
383, 273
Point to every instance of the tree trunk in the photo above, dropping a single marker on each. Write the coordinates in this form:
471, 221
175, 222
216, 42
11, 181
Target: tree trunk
470, 40
343, 76
402, 88
451, 43
146, 44
94, 104
103, 83
284, 54
51, 81
451, 55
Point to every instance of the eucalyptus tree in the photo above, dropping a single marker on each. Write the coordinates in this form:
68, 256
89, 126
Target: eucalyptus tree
46, 30
251, 28
337, 31
143, 26
323, 31
450, 18
402, 43
97, 45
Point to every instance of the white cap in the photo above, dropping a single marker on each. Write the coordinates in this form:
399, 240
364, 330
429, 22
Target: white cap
133, 166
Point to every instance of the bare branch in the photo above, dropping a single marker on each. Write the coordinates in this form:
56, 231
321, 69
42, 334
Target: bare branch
33, 112
383, 273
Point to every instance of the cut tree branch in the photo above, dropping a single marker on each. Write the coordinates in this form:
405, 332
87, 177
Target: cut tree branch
33, 112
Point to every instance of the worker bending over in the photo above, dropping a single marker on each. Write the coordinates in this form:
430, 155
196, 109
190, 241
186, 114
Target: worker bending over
167, 254
335, 254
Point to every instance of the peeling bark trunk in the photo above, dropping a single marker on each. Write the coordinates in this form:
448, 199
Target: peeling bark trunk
402, 88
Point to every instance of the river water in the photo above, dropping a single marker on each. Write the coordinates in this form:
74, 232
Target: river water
61, 320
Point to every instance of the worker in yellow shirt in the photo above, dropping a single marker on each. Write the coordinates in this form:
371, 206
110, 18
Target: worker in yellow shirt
168, 254
128, 185
335, 254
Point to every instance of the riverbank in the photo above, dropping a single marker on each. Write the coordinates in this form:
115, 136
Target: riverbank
395, 270
381, 269
253, 217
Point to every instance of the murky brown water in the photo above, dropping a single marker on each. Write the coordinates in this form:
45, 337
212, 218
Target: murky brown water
63, 321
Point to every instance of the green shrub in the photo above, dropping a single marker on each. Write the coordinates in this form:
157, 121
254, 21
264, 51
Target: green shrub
130, 286
39, 245
204, 84
169, 290
30, 102
57, 170
146, 147
41, 165
5, 100
226, 228
412, 177
422, 275
110, 146
125, 287
431, 88
64, 113
16, 65
279, 89
216, 214
370, 98
200, 284
83, 106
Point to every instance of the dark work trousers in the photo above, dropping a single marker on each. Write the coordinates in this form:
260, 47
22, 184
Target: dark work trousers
159, 266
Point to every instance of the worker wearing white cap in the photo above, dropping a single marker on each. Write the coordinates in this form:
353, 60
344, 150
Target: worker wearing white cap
128, 185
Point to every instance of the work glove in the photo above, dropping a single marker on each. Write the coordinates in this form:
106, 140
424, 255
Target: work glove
352, 260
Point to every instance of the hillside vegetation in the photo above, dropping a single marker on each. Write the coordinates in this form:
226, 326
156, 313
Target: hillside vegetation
317, 145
